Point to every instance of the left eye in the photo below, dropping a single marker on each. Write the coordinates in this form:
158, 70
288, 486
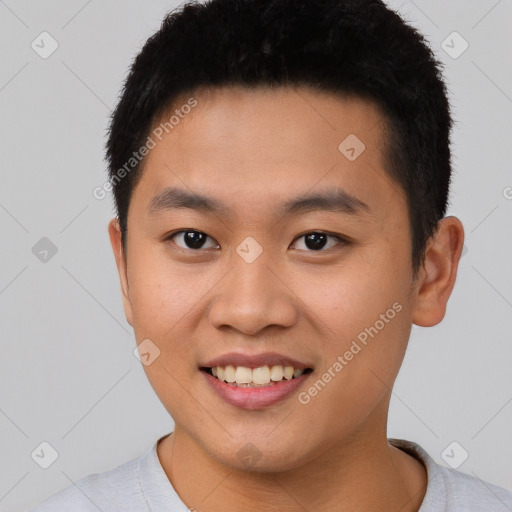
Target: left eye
315, 240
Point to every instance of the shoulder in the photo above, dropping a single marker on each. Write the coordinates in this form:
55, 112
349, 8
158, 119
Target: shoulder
468, 492
116, 489
455, 491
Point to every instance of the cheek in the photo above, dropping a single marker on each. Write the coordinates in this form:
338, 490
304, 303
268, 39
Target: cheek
359, 365
163, 299
366, 319
160, 292
168, 303
351, 296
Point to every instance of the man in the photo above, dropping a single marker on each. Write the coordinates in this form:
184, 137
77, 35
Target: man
281, 172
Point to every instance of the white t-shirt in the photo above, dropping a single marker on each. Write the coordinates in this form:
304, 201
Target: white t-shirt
141, 485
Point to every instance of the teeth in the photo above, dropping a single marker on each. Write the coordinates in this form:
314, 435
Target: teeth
261, 375
288, 372
243, 375
229, 373
247, 377
276, 373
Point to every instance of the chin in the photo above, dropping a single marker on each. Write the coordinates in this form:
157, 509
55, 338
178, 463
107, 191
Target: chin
248, 455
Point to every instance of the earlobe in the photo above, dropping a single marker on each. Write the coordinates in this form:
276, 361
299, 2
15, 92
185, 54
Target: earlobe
438, 274
115, 234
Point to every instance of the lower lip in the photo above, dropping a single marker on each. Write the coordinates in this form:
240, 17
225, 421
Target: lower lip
254, 398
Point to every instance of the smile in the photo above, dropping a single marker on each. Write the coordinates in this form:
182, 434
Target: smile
254, 381
263, 376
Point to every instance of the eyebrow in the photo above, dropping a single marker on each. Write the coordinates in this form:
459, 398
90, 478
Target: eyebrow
337, 200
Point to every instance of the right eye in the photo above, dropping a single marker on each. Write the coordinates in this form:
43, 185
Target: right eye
191, 239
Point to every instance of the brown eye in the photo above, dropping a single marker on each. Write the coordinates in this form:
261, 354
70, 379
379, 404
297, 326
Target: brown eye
317, 240
191, 239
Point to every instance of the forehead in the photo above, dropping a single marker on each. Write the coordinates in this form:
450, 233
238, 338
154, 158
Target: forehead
269, 123
251, 148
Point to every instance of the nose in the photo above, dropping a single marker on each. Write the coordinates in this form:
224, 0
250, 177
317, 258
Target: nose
253, 297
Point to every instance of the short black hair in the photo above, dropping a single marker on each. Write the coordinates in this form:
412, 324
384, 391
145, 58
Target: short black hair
346, 47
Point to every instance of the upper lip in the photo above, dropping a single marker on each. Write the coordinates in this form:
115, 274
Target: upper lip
254, 361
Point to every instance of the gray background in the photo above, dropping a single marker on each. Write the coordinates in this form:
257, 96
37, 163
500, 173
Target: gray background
68, 375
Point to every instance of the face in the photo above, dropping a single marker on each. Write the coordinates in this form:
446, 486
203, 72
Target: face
298, 255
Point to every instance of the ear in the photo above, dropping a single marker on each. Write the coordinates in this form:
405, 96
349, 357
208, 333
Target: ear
114, 232
436, 278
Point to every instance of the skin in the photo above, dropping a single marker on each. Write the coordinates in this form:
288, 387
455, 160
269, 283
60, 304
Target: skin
253, 149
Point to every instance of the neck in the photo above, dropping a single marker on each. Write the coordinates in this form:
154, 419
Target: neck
353, 476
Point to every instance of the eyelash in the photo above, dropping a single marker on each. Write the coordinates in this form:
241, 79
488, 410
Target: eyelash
343, 240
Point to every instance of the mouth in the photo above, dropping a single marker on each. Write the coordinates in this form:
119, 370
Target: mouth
259, 377
254, 381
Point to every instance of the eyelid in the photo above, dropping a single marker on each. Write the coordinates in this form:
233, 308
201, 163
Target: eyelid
343, 239
167, 238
